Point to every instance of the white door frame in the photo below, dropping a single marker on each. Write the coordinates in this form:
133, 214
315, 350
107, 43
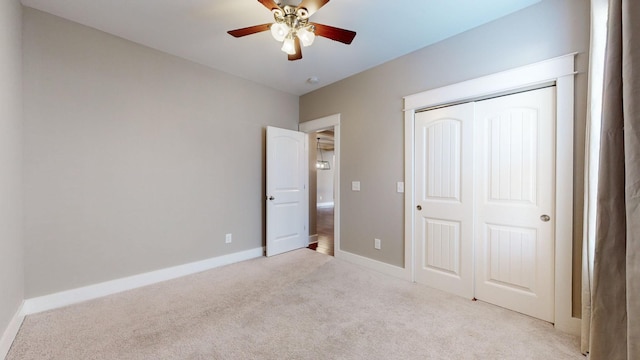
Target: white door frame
559, 71
332, 121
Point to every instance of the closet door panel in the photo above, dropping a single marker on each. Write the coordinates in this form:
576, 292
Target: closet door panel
514, 170
444, 199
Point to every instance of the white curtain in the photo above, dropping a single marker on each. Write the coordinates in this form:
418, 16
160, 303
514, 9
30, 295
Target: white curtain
599, 16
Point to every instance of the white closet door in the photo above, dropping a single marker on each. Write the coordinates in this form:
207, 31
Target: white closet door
514, 177
444, 199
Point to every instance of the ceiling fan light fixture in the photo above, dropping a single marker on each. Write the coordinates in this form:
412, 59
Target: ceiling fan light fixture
306, 35
292, 27
279, 31
321, 164
288, 45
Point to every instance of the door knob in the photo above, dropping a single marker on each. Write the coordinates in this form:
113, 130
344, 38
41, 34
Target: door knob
271, 198
419, 207
545, 218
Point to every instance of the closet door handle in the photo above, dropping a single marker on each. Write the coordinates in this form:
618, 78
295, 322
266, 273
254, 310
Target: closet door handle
545, 218
419, 207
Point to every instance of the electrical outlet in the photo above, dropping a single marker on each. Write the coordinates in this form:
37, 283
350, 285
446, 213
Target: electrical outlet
377, 243
355, 185
228, 238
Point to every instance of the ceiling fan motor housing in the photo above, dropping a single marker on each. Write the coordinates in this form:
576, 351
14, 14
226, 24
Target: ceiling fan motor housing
293, 17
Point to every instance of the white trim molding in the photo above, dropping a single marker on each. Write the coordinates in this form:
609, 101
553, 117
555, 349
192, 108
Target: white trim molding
73, 296
379, 266
11, 332
503, 82
559, 71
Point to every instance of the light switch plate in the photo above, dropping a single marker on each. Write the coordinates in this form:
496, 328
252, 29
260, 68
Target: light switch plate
355, 185
400, 186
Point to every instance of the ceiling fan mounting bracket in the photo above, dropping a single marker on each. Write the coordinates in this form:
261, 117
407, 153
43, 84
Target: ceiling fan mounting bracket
293, 9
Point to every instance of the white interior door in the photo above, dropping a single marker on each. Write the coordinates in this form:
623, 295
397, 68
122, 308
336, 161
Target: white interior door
514, 176
444, 199
287, 209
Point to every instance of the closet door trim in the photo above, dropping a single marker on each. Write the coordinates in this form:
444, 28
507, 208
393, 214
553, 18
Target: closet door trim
559, 71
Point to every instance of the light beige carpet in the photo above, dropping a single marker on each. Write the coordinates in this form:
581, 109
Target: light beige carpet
299, 305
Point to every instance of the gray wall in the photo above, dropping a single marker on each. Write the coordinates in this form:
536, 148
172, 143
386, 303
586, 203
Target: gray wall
370, 105
135, 160
11, 248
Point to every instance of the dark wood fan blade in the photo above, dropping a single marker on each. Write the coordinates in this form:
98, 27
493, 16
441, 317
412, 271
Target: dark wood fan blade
298, 54
269, 4
334, 33
249, 30
312, 5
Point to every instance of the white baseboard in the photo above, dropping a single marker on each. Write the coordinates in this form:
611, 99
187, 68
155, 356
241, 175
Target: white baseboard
10, 332
571, 325
388, 269
325, 204
313, 238
73, 296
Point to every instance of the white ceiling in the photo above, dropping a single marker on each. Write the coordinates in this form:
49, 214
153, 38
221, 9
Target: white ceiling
197, 30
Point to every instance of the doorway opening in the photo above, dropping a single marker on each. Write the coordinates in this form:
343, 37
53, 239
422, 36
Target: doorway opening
324, 183
324, 205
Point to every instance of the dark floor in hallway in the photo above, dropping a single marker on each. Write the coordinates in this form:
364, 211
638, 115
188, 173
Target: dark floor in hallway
325, 231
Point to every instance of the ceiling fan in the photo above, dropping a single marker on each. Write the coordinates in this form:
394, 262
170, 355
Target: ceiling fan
292, 27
